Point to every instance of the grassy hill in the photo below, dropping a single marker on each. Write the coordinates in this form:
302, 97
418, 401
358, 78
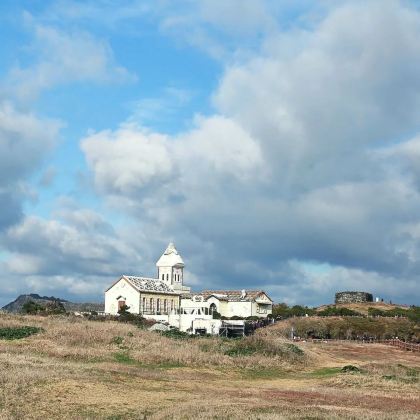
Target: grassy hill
76, 368
348, 328
363, 307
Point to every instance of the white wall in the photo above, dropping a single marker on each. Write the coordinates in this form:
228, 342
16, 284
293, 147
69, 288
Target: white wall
165, 272
127, 292
243, 309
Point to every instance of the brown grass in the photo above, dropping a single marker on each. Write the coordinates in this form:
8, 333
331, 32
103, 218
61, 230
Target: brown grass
78, 369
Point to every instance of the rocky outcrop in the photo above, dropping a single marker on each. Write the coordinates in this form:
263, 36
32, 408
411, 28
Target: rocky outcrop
353, 297
17, 305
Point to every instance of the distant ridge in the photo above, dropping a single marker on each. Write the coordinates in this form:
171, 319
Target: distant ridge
17, 305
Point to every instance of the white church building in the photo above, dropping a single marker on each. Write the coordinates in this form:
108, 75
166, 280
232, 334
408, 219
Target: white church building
167, 299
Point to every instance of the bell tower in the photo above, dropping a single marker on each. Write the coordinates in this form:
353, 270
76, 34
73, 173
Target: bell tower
171, 268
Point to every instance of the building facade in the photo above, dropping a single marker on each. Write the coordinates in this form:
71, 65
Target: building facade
239, 303
149, 296
167, 299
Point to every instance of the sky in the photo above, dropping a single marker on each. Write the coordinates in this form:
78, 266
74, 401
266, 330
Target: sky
277, 143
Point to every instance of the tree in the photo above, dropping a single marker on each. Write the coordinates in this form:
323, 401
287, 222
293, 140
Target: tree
55, 308
32, 308
124, 309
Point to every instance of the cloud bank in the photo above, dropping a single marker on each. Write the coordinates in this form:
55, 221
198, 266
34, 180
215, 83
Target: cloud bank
303, 181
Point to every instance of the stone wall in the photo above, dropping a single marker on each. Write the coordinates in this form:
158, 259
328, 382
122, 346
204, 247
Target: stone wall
353, 297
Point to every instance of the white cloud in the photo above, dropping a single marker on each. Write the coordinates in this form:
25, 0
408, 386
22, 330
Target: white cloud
130, 160
288, 169
297, 166
25, 143
63, 57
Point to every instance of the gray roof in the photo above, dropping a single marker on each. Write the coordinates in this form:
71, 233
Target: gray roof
146, 284
233, 295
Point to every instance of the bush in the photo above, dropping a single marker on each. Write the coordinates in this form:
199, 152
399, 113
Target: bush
281, 310
350, 368
32, 308
413, 313
16, 333
248, 346
216, 315
176, 334
55, 307
124, 310
334, 311
350, 328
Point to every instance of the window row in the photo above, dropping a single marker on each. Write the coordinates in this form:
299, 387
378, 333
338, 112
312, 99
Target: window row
177, 277
161, 304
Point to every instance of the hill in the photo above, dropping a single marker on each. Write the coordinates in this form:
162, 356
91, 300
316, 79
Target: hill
363, 307
348, 327
17, 305
78, 368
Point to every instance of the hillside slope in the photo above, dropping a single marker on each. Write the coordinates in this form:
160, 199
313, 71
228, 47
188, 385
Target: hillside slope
363, 307
79, 369
336, 327
17, 305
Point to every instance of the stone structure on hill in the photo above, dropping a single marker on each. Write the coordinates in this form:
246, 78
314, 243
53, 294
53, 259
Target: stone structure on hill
353, 297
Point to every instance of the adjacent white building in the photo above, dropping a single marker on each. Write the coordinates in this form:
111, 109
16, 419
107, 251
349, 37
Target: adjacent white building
166, 298
240, 303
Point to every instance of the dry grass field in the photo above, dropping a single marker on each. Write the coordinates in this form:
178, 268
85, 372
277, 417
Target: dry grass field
77, 369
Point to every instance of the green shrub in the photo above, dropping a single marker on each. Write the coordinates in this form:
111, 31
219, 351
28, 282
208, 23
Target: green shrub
350, 369
294, 349
281, 310
117, 340
248, 346
32, 308
176, 334
55, 307
216, 315
334, 311
16, 333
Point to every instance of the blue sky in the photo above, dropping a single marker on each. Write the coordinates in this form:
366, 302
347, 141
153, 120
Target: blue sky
277, 143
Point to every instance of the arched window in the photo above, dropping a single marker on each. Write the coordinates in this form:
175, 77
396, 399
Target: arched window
163, 276
213, 308
172, 305
165, 305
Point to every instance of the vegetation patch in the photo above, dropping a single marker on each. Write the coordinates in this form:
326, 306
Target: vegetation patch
294, 349
16, 333
257, 345
55, 307
176, 334
125, 359
348, 328
338, 311
350, 369
326, 372
412, 313
262, 373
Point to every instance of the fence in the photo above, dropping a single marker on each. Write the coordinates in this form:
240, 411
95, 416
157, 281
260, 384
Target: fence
403, 345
